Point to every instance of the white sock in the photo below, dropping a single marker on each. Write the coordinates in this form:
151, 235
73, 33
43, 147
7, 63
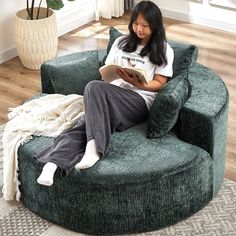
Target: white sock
46, 177
90, 157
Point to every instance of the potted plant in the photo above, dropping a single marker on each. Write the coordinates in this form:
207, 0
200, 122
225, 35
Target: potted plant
36, 32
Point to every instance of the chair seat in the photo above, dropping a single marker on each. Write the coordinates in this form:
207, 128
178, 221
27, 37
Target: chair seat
133, 158
139, 178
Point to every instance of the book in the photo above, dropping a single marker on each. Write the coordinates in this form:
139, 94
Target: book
108, 72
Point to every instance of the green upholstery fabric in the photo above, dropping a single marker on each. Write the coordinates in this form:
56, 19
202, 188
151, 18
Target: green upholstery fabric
142, 184
185, 56
113, 35
139, 186
165, 109
102, 55
204, 117
83, 67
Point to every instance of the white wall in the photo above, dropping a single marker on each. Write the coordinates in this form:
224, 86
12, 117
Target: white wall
73, 15
80, 12
200, 12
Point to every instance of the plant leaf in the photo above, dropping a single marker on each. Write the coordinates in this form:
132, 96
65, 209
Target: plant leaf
55, 4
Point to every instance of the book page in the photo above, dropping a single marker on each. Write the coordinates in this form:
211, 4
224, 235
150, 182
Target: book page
108, 72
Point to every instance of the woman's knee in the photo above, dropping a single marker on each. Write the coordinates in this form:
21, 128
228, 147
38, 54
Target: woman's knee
93, 86
96, 88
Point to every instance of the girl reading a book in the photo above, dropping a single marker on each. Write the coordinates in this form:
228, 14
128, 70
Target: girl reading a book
117, 105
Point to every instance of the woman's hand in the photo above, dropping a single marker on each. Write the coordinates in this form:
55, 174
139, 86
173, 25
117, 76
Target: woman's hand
132, 79
154, 85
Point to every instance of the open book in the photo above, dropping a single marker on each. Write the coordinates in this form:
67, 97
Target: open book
108, 72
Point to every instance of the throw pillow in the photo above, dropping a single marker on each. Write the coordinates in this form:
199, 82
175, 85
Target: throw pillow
71, 73
165, 109
113, 35
185, 56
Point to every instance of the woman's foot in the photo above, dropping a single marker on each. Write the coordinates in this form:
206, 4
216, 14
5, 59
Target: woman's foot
46, 177
90, 157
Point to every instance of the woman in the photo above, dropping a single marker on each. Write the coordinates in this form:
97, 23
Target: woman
118, 105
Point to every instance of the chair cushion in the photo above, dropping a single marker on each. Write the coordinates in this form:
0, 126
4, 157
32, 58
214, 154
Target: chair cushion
153, 182
166, 107
128, 152
185, 56
69, 74
113, 35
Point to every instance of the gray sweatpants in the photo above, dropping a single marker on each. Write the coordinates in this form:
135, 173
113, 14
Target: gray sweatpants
108, 108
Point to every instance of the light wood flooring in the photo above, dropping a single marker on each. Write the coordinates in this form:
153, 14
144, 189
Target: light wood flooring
217, 50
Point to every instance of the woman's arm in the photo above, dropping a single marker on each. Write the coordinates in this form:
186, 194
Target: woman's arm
154, 85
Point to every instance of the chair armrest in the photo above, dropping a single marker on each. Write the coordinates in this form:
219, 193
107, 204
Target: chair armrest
70, 73
204, 117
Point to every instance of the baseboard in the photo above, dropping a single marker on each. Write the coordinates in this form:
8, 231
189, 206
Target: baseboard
212, 23
196, 19
8, 54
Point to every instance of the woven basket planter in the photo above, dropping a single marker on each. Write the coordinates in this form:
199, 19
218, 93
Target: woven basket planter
36, 40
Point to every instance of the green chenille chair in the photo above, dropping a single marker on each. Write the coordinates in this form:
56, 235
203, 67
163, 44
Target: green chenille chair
156, 173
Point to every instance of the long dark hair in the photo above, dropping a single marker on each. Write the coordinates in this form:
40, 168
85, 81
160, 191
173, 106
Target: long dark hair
156, 47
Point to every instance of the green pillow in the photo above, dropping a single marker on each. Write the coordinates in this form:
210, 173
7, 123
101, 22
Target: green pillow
185, 56
167, 104
70, 74
113, 35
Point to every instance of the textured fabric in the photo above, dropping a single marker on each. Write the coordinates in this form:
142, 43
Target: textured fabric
185, 57
49, 116
70, 74
141, 185
113, 35
110, 109
67, 149
203, 118
121, 109
102, 54
218, 216
165, 110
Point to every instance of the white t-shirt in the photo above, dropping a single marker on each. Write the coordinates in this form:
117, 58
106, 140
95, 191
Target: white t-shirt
117, 56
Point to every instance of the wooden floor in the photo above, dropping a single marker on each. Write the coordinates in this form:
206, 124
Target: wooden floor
217, 50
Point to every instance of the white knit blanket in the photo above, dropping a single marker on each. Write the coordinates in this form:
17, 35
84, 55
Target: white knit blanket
49, 116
